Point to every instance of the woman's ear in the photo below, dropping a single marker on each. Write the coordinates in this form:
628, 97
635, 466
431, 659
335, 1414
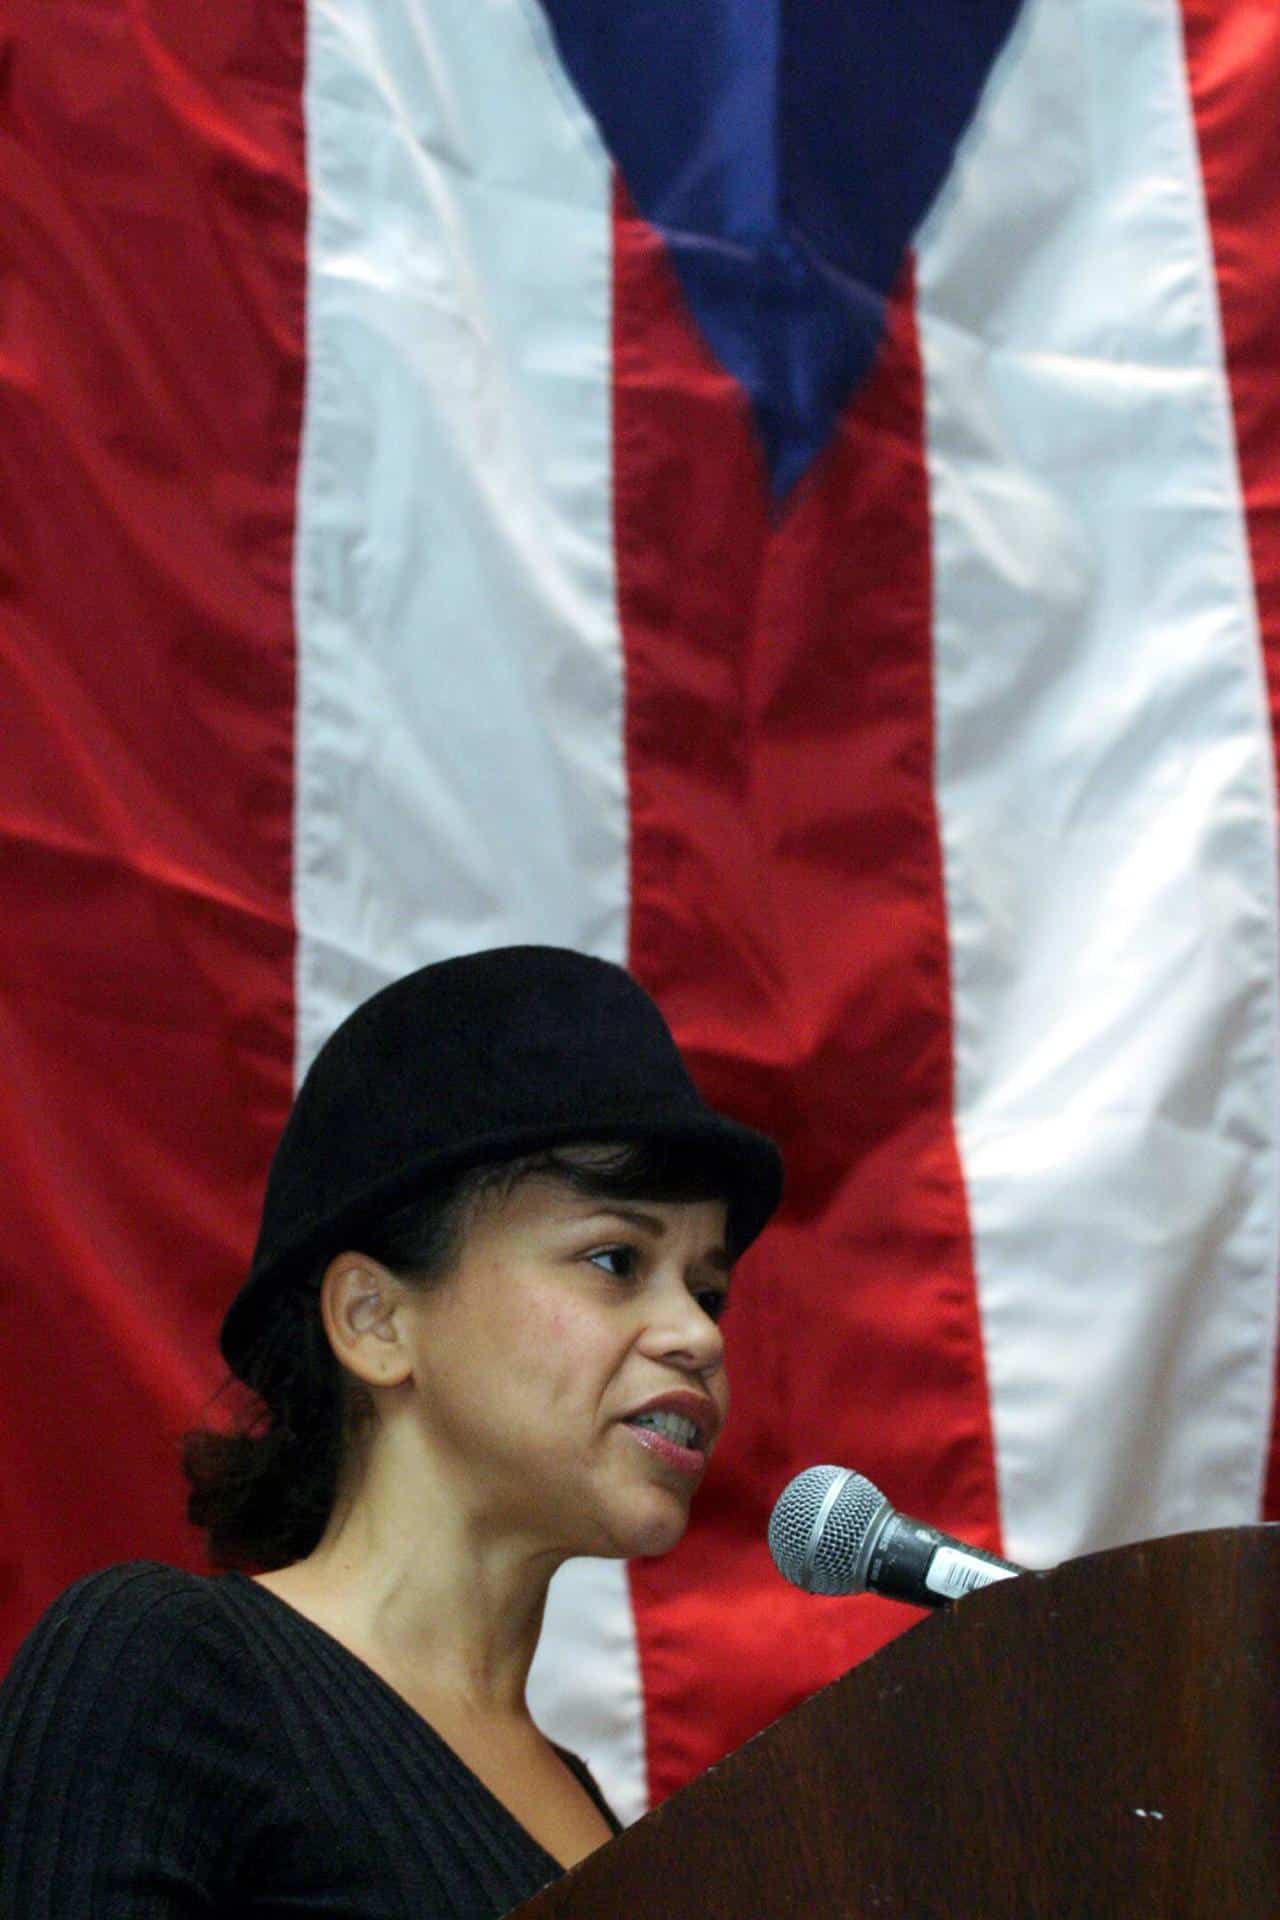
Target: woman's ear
358, 1300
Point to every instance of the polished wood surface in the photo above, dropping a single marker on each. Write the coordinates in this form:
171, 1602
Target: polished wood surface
1098, 1743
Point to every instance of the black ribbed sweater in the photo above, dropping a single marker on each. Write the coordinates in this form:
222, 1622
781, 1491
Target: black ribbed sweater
173, 1745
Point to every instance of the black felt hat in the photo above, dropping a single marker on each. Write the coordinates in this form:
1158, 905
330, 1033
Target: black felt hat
477, 1059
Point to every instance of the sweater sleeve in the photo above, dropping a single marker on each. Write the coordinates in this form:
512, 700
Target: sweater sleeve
133, 1752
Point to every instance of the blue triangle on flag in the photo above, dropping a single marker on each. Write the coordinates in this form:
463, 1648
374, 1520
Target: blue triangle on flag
787, 152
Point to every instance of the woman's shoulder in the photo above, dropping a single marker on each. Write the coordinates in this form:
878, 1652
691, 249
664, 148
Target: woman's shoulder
130, 1586
139, 1622
128, 1593
134, 1700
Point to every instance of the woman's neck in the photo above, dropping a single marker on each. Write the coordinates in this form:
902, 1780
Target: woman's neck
439, 1608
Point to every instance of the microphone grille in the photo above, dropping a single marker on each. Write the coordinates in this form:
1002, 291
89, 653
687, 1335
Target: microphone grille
834, 1556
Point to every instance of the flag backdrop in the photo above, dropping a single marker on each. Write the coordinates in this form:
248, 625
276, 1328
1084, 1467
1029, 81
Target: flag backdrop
785, 498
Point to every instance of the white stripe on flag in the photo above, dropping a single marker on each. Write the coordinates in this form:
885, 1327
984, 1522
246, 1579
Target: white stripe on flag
460, 775
1105, 794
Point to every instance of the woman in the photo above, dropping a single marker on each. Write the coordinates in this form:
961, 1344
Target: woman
481, 1331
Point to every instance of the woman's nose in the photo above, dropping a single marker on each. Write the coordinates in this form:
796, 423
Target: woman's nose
680, 1328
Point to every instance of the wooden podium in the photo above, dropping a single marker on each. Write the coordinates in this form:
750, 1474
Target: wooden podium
1100, 1742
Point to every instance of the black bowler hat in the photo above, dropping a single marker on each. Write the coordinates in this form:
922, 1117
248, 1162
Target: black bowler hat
482, 1058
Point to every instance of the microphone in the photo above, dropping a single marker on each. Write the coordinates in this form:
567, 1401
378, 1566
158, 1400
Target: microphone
833, 1532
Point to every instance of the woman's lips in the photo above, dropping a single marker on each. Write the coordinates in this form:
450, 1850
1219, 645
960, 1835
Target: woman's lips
684, 1459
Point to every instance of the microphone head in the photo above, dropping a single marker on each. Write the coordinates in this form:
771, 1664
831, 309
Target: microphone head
822, 1522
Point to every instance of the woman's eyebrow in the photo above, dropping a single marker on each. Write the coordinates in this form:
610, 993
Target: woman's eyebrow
653, 1223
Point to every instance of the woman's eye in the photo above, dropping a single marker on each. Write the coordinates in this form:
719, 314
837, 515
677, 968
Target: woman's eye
619, 1261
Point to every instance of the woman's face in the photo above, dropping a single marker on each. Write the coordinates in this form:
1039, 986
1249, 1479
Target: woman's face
565, 1317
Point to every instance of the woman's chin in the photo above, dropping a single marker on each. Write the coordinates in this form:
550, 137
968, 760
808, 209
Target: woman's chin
624, 1516
653, 1526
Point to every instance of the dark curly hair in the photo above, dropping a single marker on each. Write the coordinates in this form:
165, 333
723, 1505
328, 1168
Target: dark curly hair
264, 1491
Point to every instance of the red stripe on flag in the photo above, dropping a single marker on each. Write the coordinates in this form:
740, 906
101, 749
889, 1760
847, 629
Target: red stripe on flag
788, 913
151, 354
1233, 60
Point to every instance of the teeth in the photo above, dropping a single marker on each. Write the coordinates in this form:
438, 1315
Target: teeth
674, 1425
